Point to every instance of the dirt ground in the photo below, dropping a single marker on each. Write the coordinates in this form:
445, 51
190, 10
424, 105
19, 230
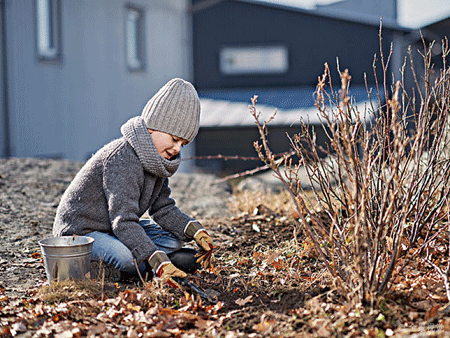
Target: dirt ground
266, 278
30, 190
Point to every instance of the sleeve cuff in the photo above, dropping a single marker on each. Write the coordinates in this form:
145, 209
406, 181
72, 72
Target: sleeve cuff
158, 259
192, 228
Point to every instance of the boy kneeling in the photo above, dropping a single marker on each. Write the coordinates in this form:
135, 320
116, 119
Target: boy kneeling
128, 177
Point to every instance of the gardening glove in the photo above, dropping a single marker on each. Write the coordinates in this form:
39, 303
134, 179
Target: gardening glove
204, 241
164, 269
204, 258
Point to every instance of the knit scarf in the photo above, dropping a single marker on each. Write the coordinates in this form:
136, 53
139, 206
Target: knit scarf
136, 133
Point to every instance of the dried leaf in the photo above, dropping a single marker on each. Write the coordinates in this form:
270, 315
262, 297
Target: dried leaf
64, 334
433, 312
272, 257
278, 265
244, 301
255, 227
19, 327
35, 255
264, 326
136, 308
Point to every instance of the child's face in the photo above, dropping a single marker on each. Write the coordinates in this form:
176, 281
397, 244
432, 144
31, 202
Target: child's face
167, 145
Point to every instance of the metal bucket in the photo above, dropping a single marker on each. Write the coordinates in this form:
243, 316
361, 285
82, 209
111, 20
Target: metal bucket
67, 257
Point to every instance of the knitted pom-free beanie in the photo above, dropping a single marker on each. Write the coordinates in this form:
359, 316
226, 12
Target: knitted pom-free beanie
174, 109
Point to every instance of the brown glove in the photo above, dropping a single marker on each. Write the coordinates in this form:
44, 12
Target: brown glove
204, 240
195, 230
206, 244
164, 269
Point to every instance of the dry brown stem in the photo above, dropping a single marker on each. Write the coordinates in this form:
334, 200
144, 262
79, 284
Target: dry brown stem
384, 182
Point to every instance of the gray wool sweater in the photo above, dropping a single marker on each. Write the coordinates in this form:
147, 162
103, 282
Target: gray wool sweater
116, 186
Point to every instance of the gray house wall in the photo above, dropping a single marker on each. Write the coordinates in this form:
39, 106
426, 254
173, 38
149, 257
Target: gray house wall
71, 108
4, 120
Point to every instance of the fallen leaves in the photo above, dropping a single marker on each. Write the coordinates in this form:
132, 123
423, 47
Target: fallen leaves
265, 325
134, 312
242, 302
268, 284
35, 255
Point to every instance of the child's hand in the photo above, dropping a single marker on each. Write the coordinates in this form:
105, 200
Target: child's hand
204, 258
206, 244
204, 240
195, 230
164, 268
167, 271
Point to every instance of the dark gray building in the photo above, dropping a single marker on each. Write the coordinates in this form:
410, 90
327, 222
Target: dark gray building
297, 42
245, 47
435, 37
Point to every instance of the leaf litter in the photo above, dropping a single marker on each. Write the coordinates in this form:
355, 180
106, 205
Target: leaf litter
269, 283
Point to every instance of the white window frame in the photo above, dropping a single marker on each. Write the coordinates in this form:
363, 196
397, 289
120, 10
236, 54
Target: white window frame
254, 60
48, 30
134, 38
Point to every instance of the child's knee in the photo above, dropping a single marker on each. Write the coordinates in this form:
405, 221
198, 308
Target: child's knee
185, 260
175, 244
131, 266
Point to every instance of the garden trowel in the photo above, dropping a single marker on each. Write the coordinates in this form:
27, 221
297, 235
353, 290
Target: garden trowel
195, 289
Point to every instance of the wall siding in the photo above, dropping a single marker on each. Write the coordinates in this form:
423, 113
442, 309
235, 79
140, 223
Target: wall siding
72, 108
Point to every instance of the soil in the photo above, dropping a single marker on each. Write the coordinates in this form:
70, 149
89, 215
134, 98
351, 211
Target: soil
30, 190
266, 278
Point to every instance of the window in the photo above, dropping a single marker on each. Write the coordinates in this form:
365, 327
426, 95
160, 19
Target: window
134, 38
48, 30
254, 60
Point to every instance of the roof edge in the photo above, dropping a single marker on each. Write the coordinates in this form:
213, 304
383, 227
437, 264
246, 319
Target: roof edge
323, 12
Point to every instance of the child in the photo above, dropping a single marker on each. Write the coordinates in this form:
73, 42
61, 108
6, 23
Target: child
128, 177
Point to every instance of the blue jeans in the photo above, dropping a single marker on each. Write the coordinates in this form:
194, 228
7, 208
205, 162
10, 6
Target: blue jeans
109, 249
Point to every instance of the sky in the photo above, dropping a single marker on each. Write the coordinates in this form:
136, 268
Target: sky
411, 13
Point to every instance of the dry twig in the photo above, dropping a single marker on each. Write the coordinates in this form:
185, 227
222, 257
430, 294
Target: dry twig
384, 181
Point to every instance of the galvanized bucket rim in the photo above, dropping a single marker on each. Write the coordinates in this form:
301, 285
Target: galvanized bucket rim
43, 242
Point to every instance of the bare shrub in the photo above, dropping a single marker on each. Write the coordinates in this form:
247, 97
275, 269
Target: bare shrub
384, 182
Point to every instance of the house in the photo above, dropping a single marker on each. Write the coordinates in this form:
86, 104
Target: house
74, 71
246, 47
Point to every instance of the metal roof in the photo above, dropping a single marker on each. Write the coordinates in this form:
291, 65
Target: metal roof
334, 14
230, 107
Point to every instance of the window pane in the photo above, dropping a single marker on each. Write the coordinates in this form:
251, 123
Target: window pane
254, 60
134, 39
46, 29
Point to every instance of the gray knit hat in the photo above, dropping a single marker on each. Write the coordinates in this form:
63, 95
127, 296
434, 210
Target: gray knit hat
174, 109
